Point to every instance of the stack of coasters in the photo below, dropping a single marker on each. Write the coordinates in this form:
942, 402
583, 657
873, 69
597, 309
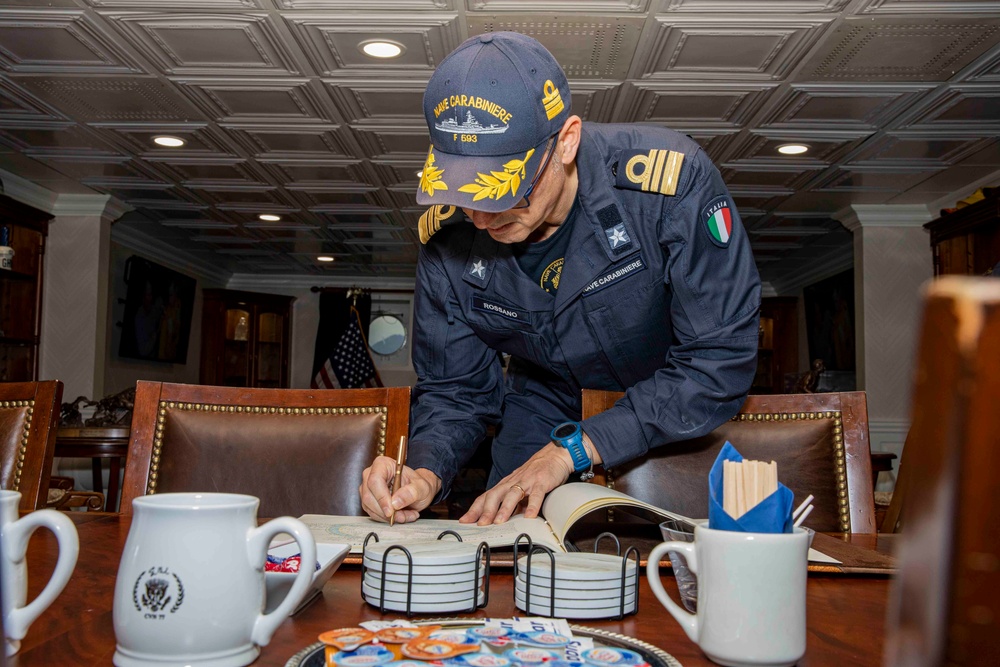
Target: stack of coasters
584, 586
441, 579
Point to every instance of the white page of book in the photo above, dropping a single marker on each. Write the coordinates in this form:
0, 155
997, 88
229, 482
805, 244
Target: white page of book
352, 530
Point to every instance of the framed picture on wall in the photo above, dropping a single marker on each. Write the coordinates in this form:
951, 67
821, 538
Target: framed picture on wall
158, 307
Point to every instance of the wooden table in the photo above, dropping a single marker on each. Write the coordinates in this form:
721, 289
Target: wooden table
846, 614
97, 443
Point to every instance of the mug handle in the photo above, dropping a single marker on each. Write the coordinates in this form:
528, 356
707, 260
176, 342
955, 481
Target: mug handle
265, 624
687, 621
18, 621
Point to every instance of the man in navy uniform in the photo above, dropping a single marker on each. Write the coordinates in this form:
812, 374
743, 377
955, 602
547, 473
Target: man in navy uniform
598, 256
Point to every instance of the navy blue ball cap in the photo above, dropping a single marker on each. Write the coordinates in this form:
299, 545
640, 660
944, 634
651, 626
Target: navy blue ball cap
490, 106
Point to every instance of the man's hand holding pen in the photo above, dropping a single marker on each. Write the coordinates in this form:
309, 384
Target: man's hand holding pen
382, 495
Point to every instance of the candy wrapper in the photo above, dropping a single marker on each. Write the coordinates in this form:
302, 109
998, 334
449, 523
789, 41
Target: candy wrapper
279, 564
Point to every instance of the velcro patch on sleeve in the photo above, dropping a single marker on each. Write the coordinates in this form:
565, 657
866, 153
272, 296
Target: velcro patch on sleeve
655, 170
717, 220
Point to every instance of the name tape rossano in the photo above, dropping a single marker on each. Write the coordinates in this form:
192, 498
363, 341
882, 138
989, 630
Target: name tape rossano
503, 311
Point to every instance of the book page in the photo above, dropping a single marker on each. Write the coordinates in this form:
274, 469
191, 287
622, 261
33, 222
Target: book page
565, 505
352, 530
570, 502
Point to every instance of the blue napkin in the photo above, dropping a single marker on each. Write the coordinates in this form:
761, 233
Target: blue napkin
771, 515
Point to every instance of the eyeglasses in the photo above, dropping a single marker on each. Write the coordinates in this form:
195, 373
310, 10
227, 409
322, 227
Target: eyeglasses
549, 150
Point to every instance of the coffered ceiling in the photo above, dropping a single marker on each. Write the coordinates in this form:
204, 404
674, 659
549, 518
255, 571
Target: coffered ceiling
282, 113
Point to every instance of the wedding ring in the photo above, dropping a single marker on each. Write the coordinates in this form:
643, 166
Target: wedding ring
518, 487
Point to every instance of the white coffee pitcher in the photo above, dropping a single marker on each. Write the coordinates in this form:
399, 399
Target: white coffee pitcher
14, 536
751, 594
190, 587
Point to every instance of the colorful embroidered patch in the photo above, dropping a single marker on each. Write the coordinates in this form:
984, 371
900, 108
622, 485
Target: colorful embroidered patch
718, 220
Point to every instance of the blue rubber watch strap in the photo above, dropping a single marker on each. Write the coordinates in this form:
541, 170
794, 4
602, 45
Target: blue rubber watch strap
573, 443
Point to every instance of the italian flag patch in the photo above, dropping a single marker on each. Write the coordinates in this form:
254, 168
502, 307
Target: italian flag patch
718, 216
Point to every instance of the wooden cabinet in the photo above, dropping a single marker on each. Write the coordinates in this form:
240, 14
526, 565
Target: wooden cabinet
21, 291
245, 338
968, 240
777, 344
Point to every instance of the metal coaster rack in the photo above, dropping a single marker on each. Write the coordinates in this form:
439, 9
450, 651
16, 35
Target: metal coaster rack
482, 565
538, 548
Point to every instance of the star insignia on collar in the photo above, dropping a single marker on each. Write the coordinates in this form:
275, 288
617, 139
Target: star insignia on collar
479, 269
617, 235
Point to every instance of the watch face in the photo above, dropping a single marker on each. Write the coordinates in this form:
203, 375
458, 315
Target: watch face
565, 430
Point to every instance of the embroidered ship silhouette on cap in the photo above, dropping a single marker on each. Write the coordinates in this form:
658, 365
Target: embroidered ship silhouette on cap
470, 126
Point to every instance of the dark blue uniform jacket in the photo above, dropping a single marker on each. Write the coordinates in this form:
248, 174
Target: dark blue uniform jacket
648, 303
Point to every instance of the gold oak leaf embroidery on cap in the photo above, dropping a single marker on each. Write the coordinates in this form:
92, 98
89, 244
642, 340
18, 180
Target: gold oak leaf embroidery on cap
430, 177
498, 183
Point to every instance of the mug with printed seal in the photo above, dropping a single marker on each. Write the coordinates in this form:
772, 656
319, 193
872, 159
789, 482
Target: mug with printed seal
751, 596
14, 536
190, 587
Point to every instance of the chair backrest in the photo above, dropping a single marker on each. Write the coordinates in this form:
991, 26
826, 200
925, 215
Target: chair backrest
944, 602
301, 451
820, 442
29, 415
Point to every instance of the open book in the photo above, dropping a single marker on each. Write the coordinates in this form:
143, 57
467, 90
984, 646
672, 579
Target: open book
561, 509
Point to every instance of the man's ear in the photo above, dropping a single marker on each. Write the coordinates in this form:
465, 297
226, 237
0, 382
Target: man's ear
569, 137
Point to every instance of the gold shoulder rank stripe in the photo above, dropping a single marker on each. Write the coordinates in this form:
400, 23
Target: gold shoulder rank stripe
660, 170
430, 221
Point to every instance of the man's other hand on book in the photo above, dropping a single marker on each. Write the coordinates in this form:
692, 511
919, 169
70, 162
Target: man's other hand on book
417, 489
547, 469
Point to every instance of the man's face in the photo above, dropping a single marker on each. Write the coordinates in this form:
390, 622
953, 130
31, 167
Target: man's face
527, 224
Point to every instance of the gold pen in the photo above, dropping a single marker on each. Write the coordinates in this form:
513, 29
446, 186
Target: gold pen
398, 477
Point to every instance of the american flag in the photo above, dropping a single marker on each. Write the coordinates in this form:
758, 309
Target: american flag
349, 364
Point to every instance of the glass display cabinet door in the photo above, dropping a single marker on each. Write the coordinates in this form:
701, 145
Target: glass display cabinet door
270, 340
236, 353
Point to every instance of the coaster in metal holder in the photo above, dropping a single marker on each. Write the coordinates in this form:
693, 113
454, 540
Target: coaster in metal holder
483, 550
618, 552
537, 548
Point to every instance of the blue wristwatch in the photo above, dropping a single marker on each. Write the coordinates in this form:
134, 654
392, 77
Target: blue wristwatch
570, 436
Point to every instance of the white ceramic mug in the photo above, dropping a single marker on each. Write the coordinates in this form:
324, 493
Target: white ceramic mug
751, 594
14, 536
190, 587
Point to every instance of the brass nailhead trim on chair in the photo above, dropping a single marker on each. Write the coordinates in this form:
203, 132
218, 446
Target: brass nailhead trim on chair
22, 451
161, 420
839, 454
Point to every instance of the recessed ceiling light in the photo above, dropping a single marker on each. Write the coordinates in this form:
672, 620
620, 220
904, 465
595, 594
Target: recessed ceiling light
381, 49
169, 142
793, 149
269, 217
324, 258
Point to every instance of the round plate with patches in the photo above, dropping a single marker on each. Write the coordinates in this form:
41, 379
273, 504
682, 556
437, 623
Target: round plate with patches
313, 655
